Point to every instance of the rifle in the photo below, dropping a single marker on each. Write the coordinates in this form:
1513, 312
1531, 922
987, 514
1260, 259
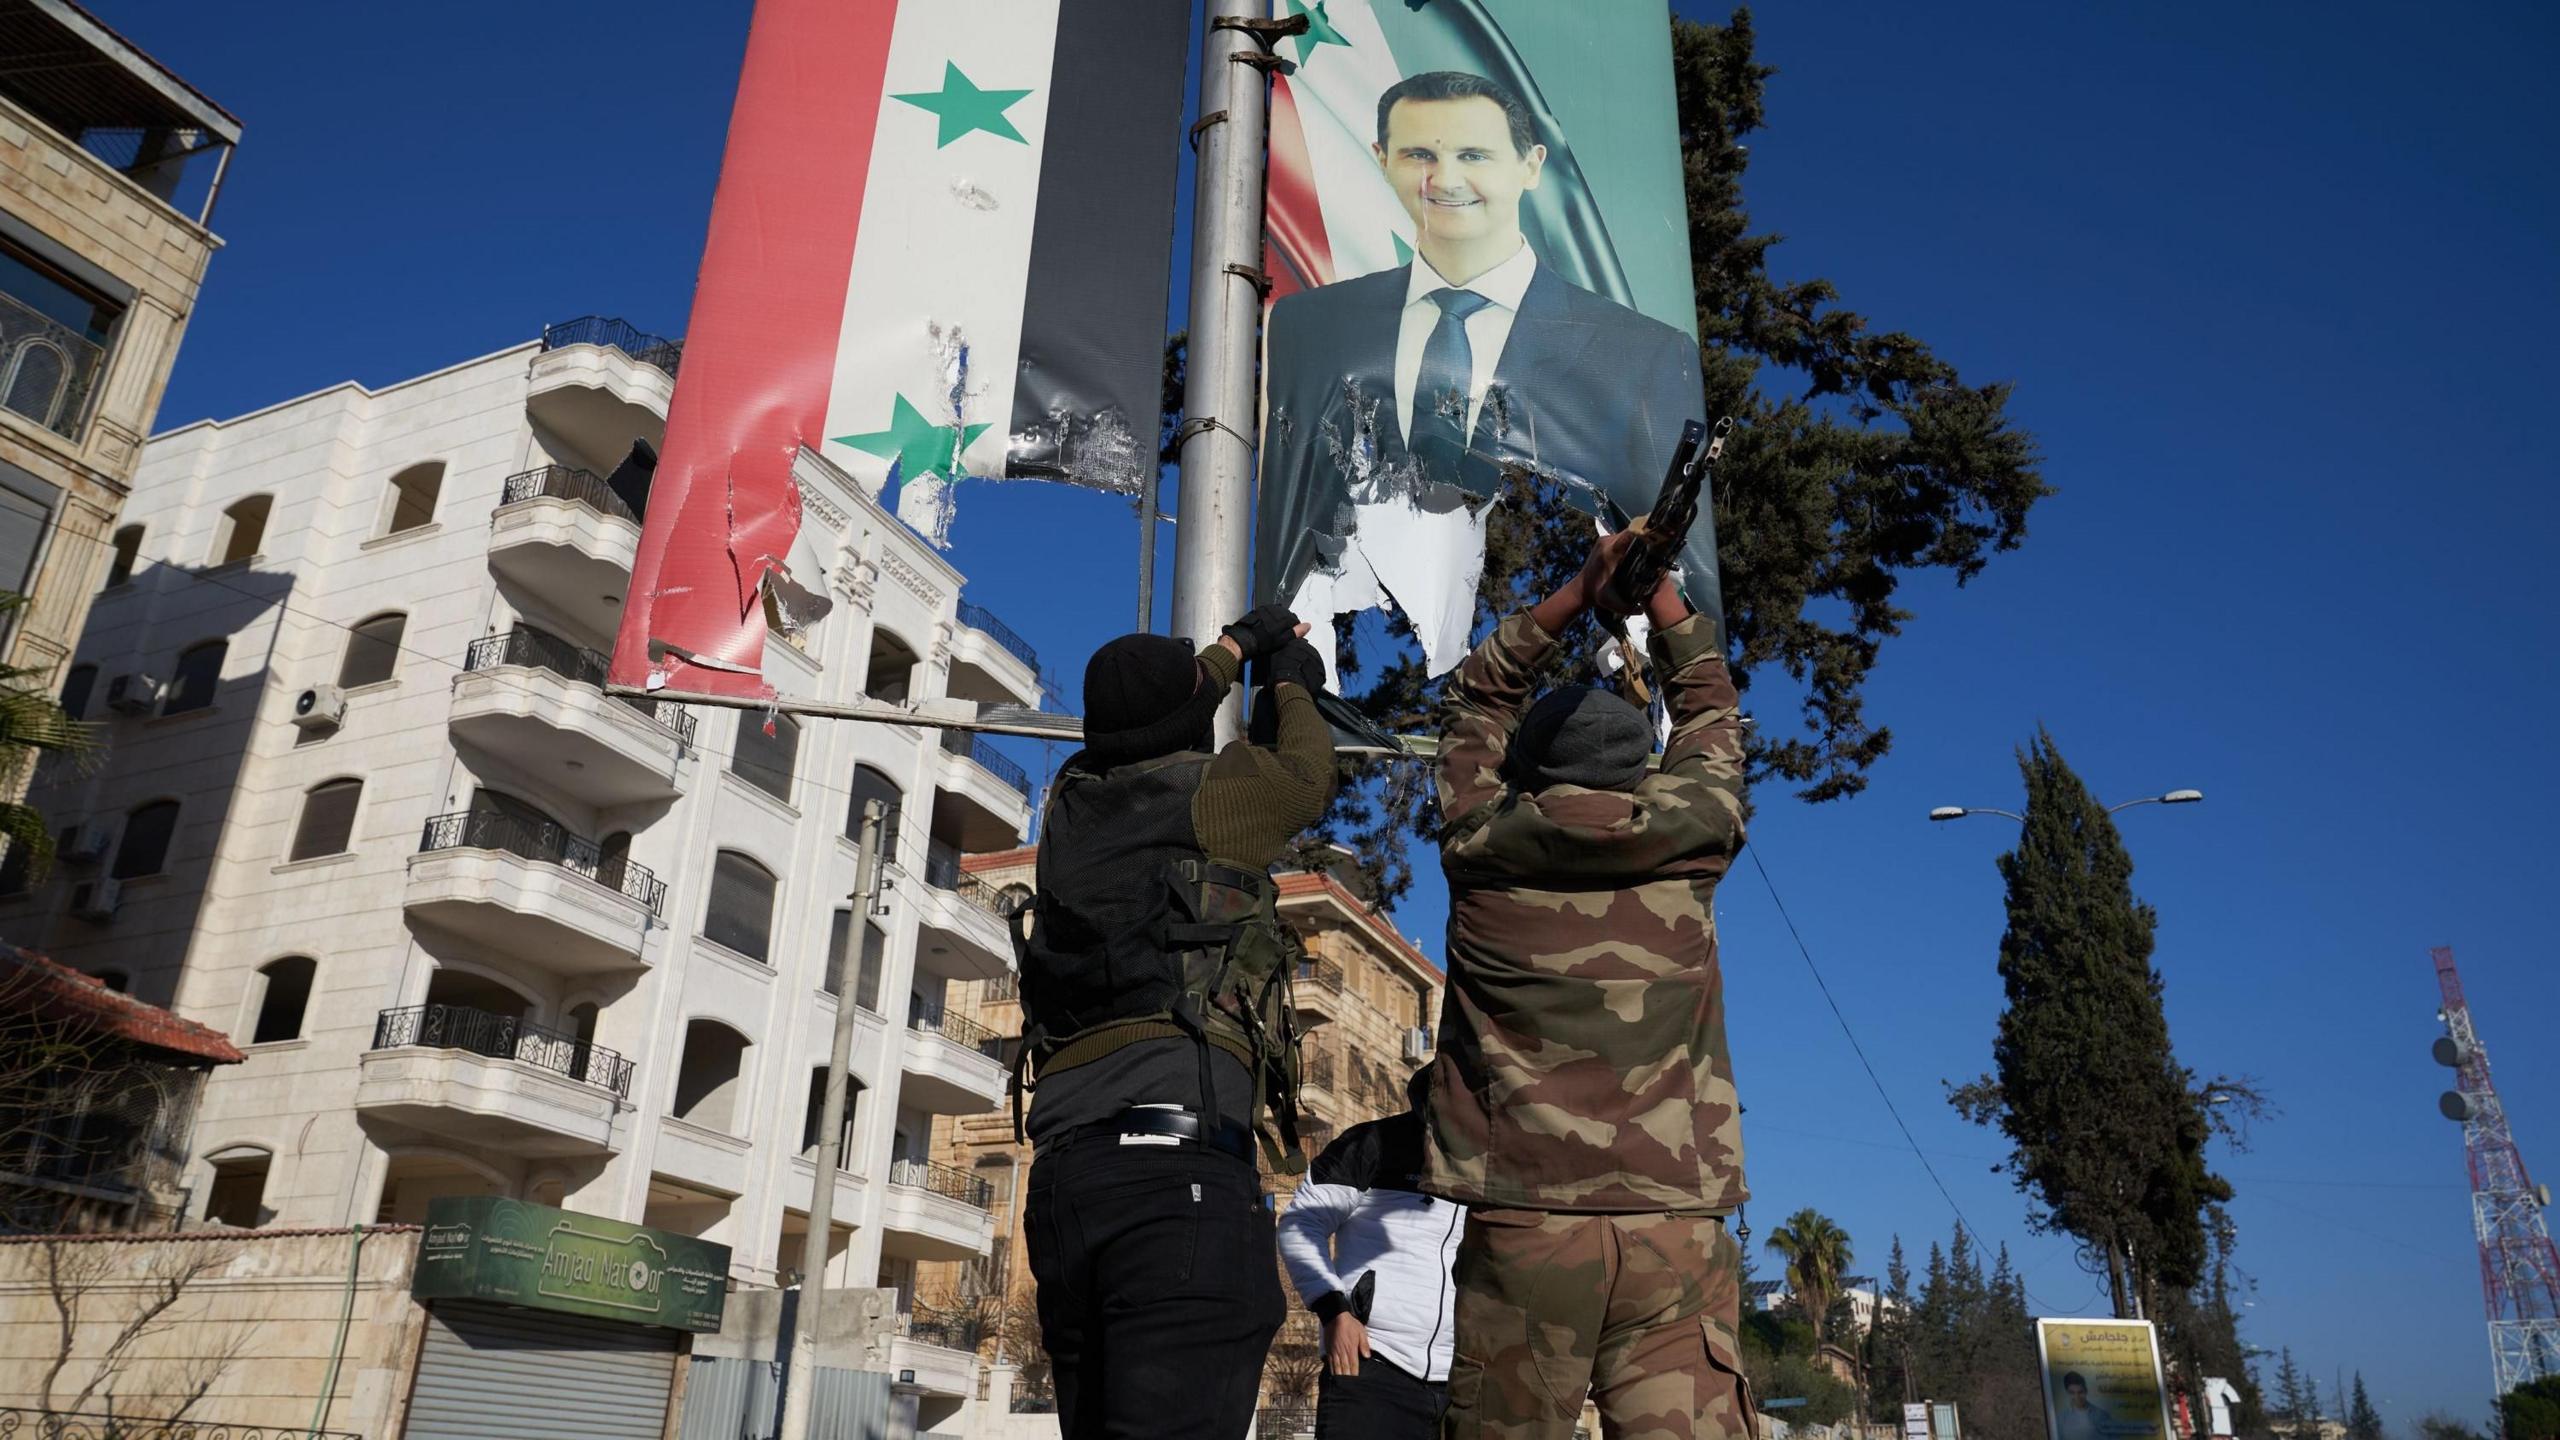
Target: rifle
1659, 536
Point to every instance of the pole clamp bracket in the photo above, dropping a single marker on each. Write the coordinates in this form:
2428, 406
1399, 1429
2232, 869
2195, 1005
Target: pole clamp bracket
1253, 276
1266, 33
1214, 117
1201, 424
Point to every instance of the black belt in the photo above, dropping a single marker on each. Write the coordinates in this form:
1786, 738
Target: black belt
1143, 1120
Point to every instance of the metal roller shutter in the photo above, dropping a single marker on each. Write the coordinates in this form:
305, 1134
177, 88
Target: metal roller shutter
490, 1372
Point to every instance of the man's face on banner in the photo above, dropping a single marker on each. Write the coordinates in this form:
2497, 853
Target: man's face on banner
1455, 169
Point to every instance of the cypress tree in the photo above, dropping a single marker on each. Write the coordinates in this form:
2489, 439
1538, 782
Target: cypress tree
2363, 1421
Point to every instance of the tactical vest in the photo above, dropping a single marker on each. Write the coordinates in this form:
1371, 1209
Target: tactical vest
1137, 935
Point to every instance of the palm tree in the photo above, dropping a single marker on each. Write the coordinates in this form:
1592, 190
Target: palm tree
1817, 1254
32, 725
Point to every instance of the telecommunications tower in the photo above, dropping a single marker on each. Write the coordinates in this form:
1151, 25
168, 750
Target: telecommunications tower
2519, 1270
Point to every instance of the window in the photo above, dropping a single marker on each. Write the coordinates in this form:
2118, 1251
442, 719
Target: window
741, 915
373, 651
816, 1111
711, 1077
115, 980
55, 343
75, 690
27, 506
238, 1194
284, 992
411, 500
871, 784
893, 663
147, 832
17, 869
328, 820
766, 761
875, 949
242, 531
128, 549
199, 675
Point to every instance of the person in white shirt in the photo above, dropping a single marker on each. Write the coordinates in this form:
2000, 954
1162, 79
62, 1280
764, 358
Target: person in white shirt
1369, 1254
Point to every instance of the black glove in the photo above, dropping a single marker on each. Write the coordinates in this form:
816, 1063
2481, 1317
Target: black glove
1296, 662
1263, 630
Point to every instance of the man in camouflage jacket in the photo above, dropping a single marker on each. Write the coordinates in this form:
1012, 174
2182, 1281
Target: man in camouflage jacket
1583, 1104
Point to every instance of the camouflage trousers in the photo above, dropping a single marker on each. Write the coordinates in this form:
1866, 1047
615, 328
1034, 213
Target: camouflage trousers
1637, 1311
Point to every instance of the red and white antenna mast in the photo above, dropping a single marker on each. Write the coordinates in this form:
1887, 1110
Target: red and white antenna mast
2519, 1270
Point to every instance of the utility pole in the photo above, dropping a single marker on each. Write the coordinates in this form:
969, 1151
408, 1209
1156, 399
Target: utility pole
803, 1371
1213, 542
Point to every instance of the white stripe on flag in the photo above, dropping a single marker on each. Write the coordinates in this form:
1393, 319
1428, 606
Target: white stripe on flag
944, 249
1337, 90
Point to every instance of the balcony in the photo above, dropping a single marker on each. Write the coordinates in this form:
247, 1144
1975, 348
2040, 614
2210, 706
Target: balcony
539, 701
47, 369
964, 921
936, 1212
940, 1348
494, 1082
600, 384
983, 799
1317, 992
990, 663
533, 890
953, 1065
562, 536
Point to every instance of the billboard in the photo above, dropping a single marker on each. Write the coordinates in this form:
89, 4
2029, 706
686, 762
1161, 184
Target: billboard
2102, 1380
938, 252
481, 1247
1477, 234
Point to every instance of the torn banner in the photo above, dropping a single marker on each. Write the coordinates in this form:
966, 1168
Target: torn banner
1491, 271
939, 249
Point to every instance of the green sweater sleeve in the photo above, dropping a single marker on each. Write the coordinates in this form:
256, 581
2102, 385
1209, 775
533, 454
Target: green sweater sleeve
1254, 800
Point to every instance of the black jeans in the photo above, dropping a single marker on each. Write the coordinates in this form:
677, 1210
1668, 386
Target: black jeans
1382, 1402
1159, 1289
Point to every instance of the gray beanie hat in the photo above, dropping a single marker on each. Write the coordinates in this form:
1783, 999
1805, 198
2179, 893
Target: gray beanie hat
1579, 735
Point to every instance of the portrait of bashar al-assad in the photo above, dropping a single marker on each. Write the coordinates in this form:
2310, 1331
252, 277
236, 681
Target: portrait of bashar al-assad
1425, 379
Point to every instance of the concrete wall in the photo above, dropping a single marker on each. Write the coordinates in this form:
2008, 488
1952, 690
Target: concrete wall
270, 1301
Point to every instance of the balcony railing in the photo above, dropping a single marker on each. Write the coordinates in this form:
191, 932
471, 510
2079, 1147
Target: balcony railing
47, 369
541, 650
619, 333
28, 1423
1007, 986
936, 1020
503, 1037
946, 1329
1319, 1071
564, 482
943, 871
1322, 974
980, 618
975, 747
544, 842
949, 1181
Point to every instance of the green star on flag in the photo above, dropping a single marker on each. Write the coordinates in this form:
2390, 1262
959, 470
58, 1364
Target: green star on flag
962, 107
915, 446
1320, 30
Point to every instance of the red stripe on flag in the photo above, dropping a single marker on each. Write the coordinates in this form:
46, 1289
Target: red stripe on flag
760, 349
1296, 254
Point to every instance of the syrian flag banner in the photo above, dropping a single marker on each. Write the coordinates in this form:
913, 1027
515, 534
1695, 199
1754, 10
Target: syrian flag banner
1477, 234
938, 252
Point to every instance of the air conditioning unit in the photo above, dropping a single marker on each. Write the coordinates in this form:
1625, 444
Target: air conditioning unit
84, 844
133, 694
1417, 1044
322, 707
96, 900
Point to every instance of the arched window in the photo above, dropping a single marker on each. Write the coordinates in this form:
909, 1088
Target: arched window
243, 529
373, 651
38, 382
411, 501
145, 848
198, 676
817, 1110
712, 1075
283, 993
875, 951
328, 819
128, 549
741, 915
893, 663
873, 784
75, 690
766, 761
238, 1195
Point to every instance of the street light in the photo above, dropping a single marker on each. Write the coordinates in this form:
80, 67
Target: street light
1958, 812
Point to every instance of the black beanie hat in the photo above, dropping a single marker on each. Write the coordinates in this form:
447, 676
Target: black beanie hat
1579, 735
1144, 696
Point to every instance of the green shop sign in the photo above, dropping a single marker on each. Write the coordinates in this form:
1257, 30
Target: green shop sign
480, 1247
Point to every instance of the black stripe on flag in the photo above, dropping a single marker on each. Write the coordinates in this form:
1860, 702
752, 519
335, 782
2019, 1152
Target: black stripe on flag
1102, 246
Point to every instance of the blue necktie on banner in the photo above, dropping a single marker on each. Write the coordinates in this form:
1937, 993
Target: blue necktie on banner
1448, 378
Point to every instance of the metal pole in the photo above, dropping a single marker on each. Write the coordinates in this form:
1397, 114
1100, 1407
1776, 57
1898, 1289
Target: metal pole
822, 1189
1212, 547
1147, 551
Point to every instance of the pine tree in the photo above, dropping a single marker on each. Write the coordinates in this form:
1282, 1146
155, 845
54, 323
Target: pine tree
2106, 1129
2363, 1421
2297, 1410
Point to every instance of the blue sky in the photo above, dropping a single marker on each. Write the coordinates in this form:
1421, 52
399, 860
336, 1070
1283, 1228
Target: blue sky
2276, 299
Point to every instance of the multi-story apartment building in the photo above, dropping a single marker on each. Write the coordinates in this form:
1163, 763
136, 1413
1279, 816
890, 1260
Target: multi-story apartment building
479, 927
109, 165
1368, 1006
